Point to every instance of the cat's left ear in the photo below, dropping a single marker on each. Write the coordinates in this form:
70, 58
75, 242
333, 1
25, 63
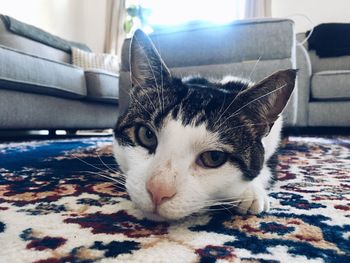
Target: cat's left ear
146, 66
267, 99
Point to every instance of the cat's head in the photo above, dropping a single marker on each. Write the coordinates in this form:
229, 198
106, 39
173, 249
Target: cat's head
183, 144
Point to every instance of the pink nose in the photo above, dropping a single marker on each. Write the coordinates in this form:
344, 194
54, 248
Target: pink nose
160, 187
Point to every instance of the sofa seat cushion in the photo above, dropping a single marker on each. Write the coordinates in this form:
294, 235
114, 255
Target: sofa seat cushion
102, 86
326, 85
29, 73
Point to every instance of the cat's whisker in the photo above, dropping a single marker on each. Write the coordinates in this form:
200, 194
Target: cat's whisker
162, 86
150, 67
225, 206
221, 209
250, 102
120, 179
236, 202
222, 114
91, 165
134, 98
251, 74
129, 92
251, 125
118, 185
161, 75
220, 203
201, 205
258, 98
217, 209
233, 203
109, 164
229, 199
113, 178
94, 166
109, 178
207, 203
325, 164
243, 86
108, 167
254, 68
219, 111
146, 93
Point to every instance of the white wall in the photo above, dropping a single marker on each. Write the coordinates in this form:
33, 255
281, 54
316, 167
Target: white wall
76, 20
319, 11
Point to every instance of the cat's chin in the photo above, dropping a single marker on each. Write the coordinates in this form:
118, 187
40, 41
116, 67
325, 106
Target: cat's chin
159, 218
155, 217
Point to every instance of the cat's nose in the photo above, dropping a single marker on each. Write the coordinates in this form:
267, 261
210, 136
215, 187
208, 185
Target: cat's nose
160, 187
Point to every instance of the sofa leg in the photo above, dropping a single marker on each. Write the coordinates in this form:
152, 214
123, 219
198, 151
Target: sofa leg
71, 132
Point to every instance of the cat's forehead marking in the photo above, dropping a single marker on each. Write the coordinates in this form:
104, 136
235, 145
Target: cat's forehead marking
197, 138
179, 132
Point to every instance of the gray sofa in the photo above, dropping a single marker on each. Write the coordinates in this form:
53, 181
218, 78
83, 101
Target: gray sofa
325, 88
322, 94
217, 51
41, 89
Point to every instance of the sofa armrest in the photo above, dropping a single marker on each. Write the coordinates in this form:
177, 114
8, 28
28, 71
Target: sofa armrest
303, 85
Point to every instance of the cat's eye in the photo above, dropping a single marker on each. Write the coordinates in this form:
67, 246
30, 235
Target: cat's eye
212, 159
146, 137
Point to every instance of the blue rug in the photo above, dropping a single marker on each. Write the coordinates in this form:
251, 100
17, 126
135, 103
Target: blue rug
55, 207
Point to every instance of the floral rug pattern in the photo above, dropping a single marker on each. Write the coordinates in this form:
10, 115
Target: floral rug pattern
54, 207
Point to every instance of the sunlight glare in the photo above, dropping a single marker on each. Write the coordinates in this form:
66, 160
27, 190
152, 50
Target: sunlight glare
170, 12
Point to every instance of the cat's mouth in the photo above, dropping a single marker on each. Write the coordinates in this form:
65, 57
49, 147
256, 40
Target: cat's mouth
155, 216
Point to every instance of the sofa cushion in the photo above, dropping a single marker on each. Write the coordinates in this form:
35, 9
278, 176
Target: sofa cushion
102, 86
199, 44
21, 110
90, 60
329, 113
325, 64
24, 72
327, 85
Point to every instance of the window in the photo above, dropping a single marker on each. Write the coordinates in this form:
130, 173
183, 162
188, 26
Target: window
179, 12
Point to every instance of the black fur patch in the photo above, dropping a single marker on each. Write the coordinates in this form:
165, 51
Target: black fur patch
198, 101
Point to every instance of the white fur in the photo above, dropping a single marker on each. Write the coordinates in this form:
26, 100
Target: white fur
197, 187
228, 79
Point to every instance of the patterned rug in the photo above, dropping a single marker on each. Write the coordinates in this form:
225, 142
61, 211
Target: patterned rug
55, 208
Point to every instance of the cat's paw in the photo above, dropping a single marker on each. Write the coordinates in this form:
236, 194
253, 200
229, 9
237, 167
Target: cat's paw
253, 201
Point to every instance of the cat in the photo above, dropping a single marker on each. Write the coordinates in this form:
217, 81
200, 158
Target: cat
186, 145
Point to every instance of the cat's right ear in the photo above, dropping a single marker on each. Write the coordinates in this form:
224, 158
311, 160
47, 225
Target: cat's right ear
147, 68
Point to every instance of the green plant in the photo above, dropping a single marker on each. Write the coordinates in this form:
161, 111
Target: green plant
136, 17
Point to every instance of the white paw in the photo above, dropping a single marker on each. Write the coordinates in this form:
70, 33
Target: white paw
253, 201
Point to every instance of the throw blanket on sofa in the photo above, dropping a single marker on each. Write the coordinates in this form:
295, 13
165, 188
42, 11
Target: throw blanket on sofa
40, 35
330, 40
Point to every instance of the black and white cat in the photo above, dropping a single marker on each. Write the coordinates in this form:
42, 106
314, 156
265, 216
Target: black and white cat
185, 145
